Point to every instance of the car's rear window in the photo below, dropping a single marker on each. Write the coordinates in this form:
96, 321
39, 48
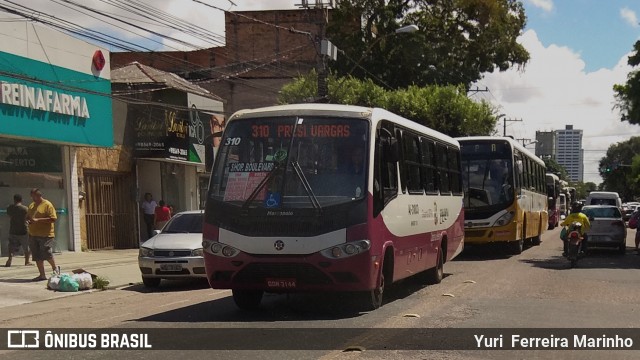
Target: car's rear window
597, 201
602, 212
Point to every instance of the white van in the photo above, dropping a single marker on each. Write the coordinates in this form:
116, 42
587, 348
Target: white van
604, 198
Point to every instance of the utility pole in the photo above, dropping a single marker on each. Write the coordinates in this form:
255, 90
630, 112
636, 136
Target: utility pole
324, 48
504, 126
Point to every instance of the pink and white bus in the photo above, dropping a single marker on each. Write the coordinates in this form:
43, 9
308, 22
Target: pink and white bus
319, 197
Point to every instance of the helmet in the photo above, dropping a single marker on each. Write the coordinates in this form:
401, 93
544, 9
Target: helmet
576, 206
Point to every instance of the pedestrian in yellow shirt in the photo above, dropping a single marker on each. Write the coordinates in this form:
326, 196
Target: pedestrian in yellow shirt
41, 216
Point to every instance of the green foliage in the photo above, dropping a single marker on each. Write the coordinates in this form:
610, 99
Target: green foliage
100, 283
443, 108
555, 168
627, 95
583, 189
620, 168
458, 40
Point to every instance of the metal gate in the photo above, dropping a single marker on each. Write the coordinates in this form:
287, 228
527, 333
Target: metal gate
110, 211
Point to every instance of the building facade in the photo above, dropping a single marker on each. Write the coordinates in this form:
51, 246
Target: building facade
55, 98
259, 57
545, 144
172, 122
569, 152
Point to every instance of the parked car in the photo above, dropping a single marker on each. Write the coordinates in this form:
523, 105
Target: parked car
175, 252
607, 227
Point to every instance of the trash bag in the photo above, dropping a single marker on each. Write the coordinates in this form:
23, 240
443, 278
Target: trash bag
54, 282
84, 280
68, 284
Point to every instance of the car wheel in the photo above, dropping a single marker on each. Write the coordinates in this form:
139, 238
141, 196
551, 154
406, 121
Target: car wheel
622, 249
151, 282
247, 299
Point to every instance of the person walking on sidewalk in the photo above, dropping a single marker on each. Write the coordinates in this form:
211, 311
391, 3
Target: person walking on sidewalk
148, 212
18, 235
162, 215
41, 216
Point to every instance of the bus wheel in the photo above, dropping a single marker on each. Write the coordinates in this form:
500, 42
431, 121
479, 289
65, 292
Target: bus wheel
435, 275
247, 299
536, 240
516, 247
373, 298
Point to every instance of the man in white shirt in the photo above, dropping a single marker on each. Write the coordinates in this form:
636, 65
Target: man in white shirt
148, 211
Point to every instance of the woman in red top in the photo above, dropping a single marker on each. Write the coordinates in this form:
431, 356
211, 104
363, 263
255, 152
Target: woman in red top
162, 215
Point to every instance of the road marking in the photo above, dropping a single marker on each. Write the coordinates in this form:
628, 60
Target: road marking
174, 303
112, 317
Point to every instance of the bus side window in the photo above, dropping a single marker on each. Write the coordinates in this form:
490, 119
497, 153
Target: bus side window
427, 166
443, 169
411, 163
454, 171
385, 185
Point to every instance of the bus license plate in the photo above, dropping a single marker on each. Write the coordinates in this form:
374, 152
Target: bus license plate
171, 267
281, 283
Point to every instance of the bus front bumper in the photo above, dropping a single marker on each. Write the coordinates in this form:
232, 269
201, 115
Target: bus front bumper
478, 236
292, 273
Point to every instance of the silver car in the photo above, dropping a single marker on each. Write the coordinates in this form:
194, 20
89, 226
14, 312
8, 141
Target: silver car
607, 227
175, 252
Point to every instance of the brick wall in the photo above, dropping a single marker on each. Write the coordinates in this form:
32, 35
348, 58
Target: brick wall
256, 62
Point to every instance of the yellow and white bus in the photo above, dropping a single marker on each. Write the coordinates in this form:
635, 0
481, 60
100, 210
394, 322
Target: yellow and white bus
505, 198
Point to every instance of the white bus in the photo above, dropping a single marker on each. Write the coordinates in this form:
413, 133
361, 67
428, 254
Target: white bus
319, 197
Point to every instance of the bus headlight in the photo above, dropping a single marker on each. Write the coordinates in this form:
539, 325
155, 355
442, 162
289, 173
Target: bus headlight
220, 249
347, 249
216, 248
228, 251
504, 219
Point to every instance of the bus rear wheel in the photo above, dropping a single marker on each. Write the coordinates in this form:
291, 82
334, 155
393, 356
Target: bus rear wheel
247, 299
436, 274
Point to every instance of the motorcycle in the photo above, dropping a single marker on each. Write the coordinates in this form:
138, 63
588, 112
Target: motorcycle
574, 239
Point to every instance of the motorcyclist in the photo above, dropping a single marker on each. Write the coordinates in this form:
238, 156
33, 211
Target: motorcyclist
576, 216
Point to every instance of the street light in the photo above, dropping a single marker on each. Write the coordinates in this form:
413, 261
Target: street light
531, 143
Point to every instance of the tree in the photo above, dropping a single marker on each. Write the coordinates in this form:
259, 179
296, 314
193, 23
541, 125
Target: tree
443, 108
627, 96
458, 40
555, 168
618, 170
583, 189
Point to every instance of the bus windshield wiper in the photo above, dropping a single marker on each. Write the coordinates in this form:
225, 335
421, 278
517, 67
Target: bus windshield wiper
260, 186
306, 185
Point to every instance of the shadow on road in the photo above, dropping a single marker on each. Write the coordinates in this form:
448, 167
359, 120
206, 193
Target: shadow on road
170, 286
595, 259
486, 252
281, 307
17, 281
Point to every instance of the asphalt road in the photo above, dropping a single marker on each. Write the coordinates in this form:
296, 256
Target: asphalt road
483, 288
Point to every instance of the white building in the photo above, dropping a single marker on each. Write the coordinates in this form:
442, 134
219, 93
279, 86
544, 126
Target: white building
569, 152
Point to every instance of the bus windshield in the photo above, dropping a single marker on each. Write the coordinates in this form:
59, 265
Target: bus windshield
291, 162
487, 169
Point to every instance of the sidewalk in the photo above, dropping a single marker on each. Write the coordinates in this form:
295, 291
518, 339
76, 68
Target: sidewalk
120, 267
